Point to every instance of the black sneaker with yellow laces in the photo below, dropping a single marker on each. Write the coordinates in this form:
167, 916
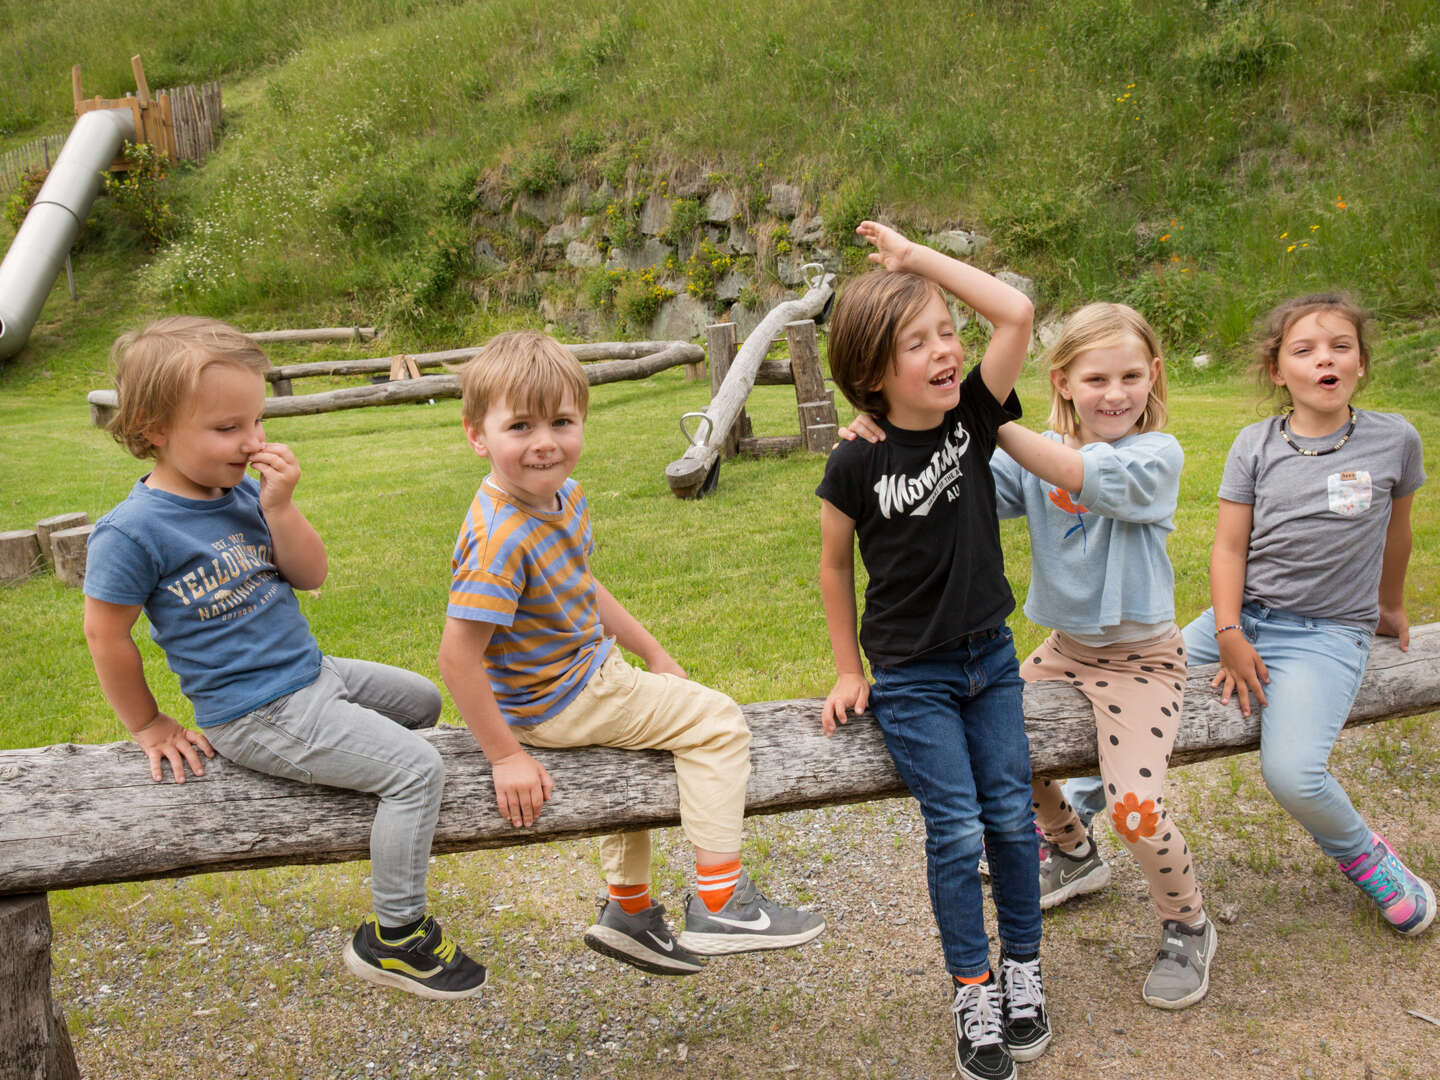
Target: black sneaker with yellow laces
423, 962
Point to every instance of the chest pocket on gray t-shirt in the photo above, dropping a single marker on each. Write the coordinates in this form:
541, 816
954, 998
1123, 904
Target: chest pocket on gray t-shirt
1349, 492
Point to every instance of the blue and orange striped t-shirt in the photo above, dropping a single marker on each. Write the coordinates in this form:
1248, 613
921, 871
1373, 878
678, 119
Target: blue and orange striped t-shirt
528, 572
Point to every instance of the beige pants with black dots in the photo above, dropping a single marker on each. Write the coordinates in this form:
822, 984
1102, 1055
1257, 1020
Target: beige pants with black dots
1136, 689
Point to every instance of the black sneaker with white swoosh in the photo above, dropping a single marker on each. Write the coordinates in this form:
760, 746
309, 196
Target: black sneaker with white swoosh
641, 940
747, 922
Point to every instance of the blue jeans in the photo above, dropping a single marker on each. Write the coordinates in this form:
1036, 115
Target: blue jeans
348, 729
1315, 668
1086, 796
954, 724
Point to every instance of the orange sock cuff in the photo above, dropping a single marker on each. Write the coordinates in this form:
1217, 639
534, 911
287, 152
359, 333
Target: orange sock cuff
716, 884
971, 980
632, 899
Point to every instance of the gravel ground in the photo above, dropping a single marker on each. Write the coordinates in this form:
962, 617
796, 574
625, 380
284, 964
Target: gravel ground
239, 975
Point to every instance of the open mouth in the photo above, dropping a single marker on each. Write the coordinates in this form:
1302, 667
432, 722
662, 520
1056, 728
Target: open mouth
945, 381
1329, 381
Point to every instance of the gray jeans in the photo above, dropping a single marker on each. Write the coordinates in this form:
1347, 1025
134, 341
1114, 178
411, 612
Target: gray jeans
348, 729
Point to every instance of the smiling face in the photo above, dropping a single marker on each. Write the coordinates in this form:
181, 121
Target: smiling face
922, 381
1109, 387
531, 454
1320, 363
201, 452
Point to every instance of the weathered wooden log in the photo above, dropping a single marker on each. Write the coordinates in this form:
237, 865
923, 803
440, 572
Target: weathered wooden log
814, 404
687, 475
319, 333
771, 445
46, 528
19, 554
68, 548
405, 391
35, 1043
587, 351
73, 815
722, 342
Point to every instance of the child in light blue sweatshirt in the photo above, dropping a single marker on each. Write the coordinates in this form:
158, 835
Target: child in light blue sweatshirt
1099, 491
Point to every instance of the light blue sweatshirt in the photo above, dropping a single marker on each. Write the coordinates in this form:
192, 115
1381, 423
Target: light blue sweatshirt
1098, 560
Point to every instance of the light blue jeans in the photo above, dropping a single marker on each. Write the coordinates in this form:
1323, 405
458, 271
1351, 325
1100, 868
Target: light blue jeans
348, 729
1315, 668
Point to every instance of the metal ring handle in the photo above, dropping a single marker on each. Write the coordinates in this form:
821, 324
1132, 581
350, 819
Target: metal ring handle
709, 428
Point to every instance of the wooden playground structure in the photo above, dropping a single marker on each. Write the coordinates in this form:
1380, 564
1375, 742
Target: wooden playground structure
180, 124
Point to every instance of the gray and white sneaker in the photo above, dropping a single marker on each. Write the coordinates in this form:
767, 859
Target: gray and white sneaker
747, 922
641, 940
1064, 876
1180, 975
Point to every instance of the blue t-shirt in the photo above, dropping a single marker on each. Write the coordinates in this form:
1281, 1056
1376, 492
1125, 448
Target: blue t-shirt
204, 571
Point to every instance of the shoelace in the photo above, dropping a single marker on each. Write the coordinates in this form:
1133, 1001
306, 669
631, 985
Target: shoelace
1023, 989
446, 949
979, 1019
1383, 881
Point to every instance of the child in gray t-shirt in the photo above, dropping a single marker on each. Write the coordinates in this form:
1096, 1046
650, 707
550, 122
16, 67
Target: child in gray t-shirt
1312, 541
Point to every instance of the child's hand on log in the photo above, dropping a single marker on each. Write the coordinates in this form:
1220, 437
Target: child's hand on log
851, 692
521, 787
163, 739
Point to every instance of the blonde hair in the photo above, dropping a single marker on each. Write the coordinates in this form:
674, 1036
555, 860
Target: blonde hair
1274, 326
531, 372
157, 368
1096, 326
868, 316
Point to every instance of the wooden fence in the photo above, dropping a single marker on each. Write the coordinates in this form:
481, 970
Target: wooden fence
18, 160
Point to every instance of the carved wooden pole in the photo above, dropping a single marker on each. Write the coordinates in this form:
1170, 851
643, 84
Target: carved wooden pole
34, 1042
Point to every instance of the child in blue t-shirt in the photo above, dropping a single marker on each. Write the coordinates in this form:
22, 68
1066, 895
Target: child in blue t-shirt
947, 692
213, 558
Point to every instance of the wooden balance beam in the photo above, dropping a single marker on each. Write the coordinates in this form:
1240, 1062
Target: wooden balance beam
87, 815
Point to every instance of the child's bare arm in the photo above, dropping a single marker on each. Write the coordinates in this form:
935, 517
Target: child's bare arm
632, 635
1396, 560
122, 679
1008, 310
521, 783
1241, 670
1051, 461
851, 692
299, 551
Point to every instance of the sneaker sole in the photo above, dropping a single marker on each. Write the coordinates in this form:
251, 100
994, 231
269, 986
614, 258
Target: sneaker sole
1091, 882
722, 944
1193, 997
370, 973
1423, 924
1031, 1052
621, 946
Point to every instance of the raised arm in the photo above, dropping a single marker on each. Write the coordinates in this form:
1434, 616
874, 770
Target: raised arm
1396, 560
1051, 461
1008, 310
299, 551
837, 591
122, 679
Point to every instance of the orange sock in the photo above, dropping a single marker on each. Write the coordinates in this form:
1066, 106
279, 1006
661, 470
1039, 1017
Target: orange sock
633, 899
971, 980
716, 884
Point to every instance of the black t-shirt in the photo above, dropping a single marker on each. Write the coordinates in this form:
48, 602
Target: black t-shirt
923, 503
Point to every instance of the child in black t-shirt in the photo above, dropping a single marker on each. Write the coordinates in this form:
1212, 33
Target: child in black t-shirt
947, 688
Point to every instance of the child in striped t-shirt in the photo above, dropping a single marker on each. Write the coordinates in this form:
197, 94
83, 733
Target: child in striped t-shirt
522, 598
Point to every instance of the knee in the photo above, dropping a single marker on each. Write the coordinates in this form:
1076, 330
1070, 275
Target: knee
428, 704
1292, 783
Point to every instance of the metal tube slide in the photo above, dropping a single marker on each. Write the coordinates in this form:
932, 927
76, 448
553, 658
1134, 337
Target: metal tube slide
45, 236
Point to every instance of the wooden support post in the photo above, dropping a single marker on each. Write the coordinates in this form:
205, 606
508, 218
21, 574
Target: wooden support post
46, 528
283, 387
720, 346
102, 407
68, 546
19, 554
34, 1043
814, 404
75, 87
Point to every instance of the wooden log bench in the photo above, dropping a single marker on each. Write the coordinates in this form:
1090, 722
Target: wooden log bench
627, 360
88, 815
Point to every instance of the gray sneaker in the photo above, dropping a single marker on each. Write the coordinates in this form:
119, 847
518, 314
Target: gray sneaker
1180, 975
1063, 876
641, 940
747, 922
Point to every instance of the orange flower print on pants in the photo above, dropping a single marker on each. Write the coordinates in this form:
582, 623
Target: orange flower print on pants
1134, 819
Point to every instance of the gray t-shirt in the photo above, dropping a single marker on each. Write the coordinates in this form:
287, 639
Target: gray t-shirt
1318, 533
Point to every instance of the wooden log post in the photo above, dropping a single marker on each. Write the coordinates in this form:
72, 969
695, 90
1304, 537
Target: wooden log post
19, 554
319, 333
814, 404
34, 1042
690, 476
46, 528
102, 407
68, 546
721, 344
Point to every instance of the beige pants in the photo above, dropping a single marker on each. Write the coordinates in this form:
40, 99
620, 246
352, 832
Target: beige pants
1136, 691
624, 707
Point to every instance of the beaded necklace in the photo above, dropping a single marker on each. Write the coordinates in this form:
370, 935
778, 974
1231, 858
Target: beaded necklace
1318, 453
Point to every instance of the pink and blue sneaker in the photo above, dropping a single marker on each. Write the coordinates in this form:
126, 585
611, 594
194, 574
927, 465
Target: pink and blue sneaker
1406, 901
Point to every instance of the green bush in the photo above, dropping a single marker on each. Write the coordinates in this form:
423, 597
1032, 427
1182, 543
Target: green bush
704, 269
23, 197
140, 194
1238, 52
638, 299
